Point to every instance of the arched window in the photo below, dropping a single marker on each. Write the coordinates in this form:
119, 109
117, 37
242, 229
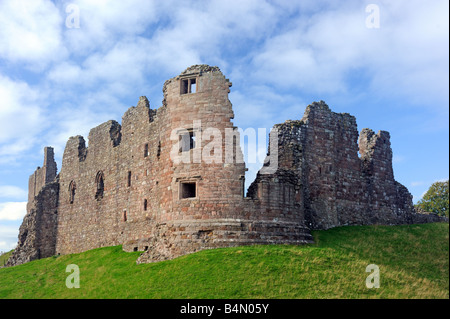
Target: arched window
100, 185
72, 188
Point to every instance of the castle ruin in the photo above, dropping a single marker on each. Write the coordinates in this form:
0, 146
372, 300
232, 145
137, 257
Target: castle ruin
126, 189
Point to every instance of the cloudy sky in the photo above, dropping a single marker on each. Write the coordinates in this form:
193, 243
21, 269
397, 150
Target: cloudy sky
67, 66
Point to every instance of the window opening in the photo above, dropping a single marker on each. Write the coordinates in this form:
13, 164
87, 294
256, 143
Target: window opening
158, 154
100, 185
188, 190
72, 188
187, 141
188, 86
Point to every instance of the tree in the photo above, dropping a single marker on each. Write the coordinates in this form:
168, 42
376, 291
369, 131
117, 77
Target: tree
435, 199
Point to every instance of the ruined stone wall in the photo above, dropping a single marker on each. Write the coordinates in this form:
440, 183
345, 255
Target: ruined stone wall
113, 178
170, 181
390, 202
141, 204
37, 234
219, 215
42, 175
339, 187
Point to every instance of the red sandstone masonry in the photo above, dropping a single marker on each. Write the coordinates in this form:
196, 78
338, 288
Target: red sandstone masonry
125, 189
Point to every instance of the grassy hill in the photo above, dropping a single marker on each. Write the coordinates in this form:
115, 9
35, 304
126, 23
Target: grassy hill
413, 262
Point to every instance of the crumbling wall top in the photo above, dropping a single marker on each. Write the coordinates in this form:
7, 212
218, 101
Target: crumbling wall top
192, 71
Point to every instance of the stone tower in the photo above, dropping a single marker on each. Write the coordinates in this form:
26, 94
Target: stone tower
37, 234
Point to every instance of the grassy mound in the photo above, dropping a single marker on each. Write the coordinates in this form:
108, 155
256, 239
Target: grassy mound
413, 261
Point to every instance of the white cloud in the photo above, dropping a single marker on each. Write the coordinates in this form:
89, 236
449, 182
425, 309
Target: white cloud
407, 56
102, 22
8, 237
30, 32
21, 117
7, 191
13, 210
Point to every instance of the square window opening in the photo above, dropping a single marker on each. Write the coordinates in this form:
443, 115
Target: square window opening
188, 86
188, 190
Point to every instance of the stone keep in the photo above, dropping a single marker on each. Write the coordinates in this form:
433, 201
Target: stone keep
127, 189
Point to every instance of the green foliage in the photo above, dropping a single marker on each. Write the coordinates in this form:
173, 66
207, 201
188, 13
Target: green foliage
436, 199
413, 262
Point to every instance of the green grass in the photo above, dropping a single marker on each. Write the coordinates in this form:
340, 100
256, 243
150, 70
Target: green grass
4, 257
413, 262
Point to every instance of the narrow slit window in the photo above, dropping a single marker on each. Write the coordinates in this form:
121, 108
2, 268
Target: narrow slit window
188, 190
158, 153
129, 179
145, 204
72, 188
124, 215
146, 153
100, 186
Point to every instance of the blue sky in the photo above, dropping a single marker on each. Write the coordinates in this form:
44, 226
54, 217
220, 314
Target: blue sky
57, 80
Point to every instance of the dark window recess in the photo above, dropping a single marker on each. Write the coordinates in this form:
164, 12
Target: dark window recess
188, 86
100, 186
158, 154
188, 190
124, 216
72, 188
129, 179
135, 249
145, 204
146, 153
